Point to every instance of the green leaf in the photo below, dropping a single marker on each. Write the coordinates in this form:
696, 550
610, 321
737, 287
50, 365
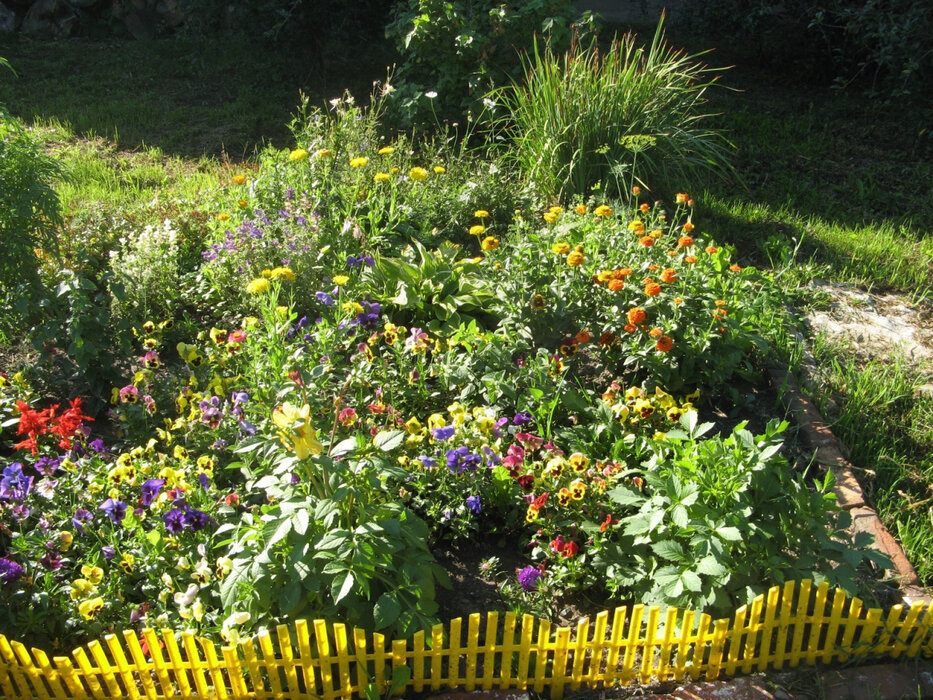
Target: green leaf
389, 440
386, 610
333, 539
710, 566
668, 549
345, 587
626, 495
691, 581
279, 530
730, 534
679, 516
301, 521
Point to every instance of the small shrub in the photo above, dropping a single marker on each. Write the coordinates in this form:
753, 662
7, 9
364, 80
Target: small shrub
453, 52
626, 115
29, 212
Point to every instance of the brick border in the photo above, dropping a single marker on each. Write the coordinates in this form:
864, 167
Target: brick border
828, 453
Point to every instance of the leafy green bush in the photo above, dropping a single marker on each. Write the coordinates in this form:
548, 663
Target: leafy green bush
629, 114
454, 52
29, 214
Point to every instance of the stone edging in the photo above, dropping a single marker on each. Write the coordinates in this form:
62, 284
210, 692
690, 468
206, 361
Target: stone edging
827, 452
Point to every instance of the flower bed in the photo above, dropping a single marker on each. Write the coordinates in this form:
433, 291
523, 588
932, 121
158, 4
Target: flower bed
372, 388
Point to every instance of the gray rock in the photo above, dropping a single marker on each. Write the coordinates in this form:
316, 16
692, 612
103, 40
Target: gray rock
7, 19
49, 18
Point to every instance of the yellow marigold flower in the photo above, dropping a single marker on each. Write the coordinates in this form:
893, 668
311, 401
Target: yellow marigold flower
637, 225
418, 173
440, 169
481, 214
267, 273
394, 170
489, 243
560, 248
324, 153
386, 150
89, 609
550, 217
242, 203
239, 179
681, 198
260, 285
359, 162
223, 216
381, 177
603, 210
341, 280
298, 154
281, 312
580, 209
477, 230
556, 210
575, 259
283, 273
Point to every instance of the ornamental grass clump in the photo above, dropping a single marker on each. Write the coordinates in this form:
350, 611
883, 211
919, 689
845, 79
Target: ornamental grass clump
620, 116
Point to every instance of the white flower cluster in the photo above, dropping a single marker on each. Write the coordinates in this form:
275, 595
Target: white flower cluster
147, 265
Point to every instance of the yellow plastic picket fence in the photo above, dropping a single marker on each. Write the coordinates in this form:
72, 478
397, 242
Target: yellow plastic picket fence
790, 625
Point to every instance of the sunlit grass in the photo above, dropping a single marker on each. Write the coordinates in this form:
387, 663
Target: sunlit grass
888, 428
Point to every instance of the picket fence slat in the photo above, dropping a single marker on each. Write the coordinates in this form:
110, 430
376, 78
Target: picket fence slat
790, 624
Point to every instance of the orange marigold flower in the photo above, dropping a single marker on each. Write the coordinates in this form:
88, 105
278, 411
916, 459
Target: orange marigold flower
637, 315
652, 289
621, 273
636, 189
645, 207
688, 227
669, 275
720, 302
239, 179
711, 249
654, 267
681, 198
690, 259
603, 276
580, 209
664, 344
678, 301
616, 285
685, 241
671, 253
629, 328
735, 268
655, 332
646, 241
583, 337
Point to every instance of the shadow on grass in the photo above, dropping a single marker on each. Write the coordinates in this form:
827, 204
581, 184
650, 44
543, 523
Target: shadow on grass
188, 98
